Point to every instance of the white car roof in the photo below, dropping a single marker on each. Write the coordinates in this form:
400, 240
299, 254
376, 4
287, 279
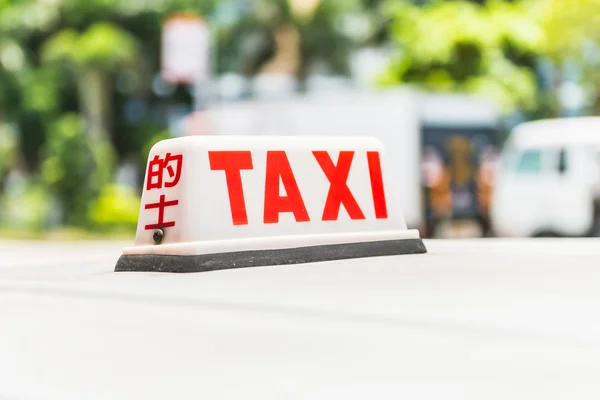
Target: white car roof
471, 319
557, 132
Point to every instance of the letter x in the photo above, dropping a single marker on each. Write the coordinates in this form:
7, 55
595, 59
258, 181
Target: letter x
339, 193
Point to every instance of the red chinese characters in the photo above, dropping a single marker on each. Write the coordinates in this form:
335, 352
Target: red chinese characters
280, 174
161, 205
158, 168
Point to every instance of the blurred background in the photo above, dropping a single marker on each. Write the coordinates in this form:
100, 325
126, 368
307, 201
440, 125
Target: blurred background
452, 87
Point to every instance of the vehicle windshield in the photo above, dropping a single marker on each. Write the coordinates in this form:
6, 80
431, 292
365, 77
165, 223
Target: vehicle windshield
529, 162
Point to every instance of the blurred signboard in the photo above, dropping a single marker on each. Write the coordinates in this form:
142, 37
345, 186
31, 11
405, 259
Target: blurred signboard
185, 53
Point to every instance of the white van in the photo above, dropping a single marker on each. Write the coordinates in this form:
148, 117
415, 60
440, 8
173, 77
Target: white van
548, 179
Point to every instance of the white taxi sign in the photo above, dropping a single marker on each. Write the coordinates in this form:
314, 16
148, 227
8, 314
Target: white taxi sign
216, 202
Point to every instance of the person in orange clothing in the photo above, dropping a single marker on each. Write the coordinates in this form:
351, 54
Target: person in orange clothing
485, 180
436, 188
441, 195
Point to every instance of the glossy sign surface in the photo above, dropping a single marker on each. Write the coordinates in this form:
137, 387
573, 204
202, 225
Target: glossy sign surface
224, 188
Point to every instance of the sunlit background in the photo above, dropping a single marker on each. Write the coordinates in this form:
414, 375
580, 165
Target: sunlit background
88, 86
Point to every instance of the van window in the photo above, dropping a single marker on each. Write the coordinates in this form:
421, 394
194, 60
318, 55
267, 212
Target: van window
530, 162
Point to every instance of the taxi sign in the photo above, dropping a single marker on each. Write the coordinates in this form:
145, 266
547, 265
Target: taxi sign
219, 202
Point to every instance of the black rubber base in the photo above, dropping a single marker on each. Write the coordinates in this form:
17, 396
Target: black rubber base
258, 258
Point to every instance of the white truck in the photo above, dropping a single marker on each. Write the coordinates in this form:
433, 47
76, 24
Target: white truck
434, 142
548, 180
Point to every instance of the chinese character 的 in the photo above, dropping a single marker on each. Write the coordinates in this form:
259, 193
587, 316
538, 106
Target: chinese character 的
156, 169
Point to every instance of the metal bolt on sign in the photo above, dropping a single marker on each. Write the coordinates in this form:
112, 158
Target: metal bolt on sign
158, 236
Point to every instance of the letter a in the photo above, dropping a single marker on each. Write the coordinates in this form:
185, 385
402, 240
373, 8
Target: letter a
278, 168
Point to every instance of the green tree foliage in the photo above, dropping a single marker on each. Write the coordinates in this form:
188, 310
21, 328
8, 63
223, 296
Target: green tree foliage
8, 154
93, 56
572, 36
248, 43
567, 25
462, 46
61, 58
76, 167
116, 208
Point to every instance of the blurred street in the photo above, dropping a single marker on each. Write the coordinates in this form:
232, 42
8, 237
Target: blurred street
88, 87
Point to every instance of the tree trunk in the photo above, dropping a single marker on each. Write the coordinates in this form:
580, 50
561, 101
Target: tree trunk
94, 96
287, 58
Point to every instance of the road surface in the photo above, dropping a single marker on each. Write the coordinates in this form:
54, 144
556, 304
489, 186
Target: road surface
472, 319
